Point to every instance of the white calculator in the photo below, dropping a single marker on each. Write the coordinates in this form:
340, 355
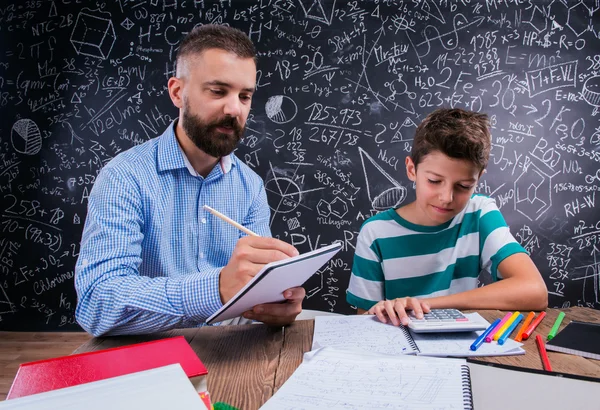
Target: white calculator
444, 320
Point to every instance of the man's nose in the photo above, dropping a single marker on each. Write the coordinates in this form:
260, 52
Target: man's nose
233, 107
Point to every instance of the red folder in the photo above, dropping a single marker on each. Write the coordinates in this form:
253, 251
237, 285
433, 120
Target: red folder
66, 371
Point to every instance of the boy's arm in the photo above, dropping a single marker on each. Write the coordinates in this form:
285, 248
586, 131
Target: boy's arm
521, 289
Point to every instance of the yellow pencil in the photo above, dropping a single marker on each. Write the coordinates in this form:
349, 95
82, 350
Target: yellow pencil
506, 325
528, 320
231, 221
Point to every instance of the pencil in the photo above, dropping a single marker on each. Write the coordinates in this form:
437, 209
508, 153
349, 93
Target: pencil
231, 221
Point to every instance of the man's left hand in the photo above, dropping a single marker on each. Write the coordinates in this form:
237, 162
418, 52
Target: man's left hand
279, 314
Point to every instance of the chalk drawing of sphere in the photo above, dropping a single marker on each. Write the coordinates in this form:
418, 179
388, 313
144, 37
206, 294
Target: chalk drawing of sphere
286, 192
591, 91
26, 137
281, 109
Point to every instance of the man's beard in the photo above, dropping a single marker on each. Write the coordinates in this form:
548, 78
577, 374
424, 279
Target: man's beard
207, 138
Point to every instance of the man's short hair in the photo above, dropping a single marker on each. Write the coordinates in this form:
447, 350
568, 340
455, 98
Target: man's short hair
215, 36
456, 133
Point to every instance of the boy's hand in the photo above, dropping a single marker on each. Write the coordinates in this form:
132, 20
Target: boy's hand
396, 310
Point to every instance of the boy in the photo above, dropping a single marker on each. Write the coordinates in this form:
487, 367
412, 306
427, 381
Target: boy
429, 253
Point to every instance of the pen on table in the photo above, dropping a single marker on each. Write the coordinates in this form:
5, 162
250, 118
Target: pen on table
533, 325
543, 354
510, 329
231, 221
554, 329
479, 341
506, 325
490, 336
523, 327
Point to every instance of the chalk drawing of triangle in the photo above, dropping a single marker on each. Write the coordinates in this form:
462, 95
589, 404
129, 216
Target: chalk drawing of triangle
6, 305
384, 191
316, 10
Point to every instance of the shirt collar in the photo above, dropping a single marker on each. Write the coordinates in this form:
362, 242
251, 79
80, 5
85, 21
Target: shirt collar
171, 155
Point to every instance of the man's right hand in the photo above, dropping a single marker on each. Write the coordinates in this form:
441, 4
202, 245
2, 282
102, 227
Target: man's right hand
251, 253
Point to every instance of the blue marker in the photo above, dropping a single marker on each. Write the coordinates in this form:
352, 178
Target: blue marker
510, 329
479, 341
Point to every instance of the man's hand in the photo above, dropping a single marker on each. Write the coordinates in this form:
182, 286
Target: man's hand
251, 253
279, 314
396, 310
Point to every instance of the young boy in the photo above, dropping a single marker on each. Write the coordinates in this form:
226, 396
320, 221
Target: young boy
429, 253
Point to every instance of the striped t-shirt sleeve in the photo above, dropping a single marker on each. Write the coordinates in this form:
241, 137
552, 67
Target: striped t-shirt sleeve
366, 286
496, 243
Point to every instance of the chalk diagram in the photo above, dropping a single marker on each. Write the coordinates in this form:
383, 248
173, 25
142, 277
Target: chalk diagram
288, 194
26, 137
384, 191
591, 93
127, 24
6, 306
316, 10
338, 207
281, 109
533, 192
93, 36
591, 278
399, 136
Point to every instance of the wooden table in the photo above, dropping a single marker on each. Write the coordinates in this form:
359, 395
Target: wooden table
247, 364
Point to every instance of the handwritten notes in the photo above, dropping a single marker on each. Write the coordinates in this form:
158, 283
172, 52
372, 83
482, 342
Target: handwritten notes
367, 333
336, 379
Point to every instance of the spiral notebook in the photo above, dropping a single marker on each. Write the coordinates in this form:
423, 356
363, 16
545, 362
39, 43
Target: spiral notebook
367, 333
329, 378
341, 379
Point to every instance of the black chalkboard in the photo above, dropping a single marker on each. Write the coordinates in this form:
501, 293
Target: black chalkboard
341, 87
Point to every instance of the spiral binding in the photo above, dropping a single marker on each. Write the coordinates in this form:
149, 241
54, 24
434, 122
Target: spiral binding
467, 394
410, 339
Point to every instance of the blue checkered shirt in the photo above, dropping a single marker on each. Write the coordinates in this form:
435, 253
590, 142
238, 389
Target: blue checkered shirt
150, 254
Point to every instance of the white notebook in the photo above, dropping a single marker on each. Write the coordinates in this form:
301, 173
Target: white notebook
162, 388
273, 279
366, 332
350, 380
346, 380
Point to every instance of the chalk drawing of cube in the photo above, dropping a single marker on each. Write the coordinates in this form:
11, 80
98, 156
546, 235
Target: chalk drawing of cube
93, 36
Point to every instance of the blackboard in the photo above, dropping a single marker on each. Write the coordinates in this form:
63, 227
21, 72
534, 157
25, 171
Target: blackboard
341, 88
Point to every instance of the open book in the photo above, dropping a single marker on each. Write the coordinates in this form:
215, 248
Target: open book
273, 279
343, 379
366, 332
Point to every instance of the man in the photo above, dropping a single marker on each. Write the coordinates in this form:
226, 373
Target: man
151, 258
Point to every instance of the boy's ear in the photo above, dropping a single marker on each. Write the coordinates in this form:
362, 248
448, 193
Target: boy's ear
483, 171
411, 169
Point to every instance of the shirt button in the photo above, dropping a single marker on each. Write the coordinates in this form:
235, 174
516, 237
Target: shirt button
201, 255
203, 220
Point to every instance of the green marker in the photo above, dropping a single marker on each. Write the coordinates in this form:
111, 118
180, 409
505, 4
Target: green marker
554, 329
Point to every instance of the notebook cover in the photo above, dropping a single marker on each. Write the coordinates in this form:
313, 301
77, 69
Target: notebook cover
578, 338
66, 371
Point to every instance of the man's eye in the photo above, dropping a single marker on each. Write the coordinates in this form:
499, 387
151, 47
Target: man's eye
217, 92
245, 97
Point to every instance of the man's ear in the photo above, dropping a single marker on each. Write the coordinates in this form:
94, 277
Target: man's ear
175, 86
411, 169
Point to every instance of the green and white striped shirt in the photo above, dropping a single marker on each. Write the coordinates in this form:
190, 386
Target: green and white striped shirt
395, 258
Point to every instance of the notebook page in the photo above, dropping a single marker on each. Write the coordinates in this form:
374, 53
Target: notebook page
337, 379
365, 332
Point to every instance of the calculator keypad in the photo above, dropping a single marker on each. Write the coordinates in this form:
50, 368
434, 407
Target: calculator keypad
442, 315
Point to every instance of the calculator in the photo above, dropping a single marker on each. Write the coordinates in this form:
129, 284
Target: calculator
444, 320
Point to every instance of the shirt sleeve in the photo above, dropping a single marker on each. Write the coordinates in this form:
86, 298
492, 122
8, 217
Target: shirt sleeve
113, 298
259, 214
366, 286
496, 243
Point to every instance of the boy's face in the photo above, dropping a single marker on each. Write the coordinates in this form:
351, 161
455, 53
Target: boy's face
444, 186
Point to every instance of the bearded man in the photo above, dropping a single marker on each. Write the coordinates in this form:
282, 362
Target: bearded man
151, 257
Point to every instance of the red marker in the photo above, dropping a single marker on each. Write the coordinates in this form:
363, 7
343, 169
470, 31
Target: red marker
533, 325
542, 348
